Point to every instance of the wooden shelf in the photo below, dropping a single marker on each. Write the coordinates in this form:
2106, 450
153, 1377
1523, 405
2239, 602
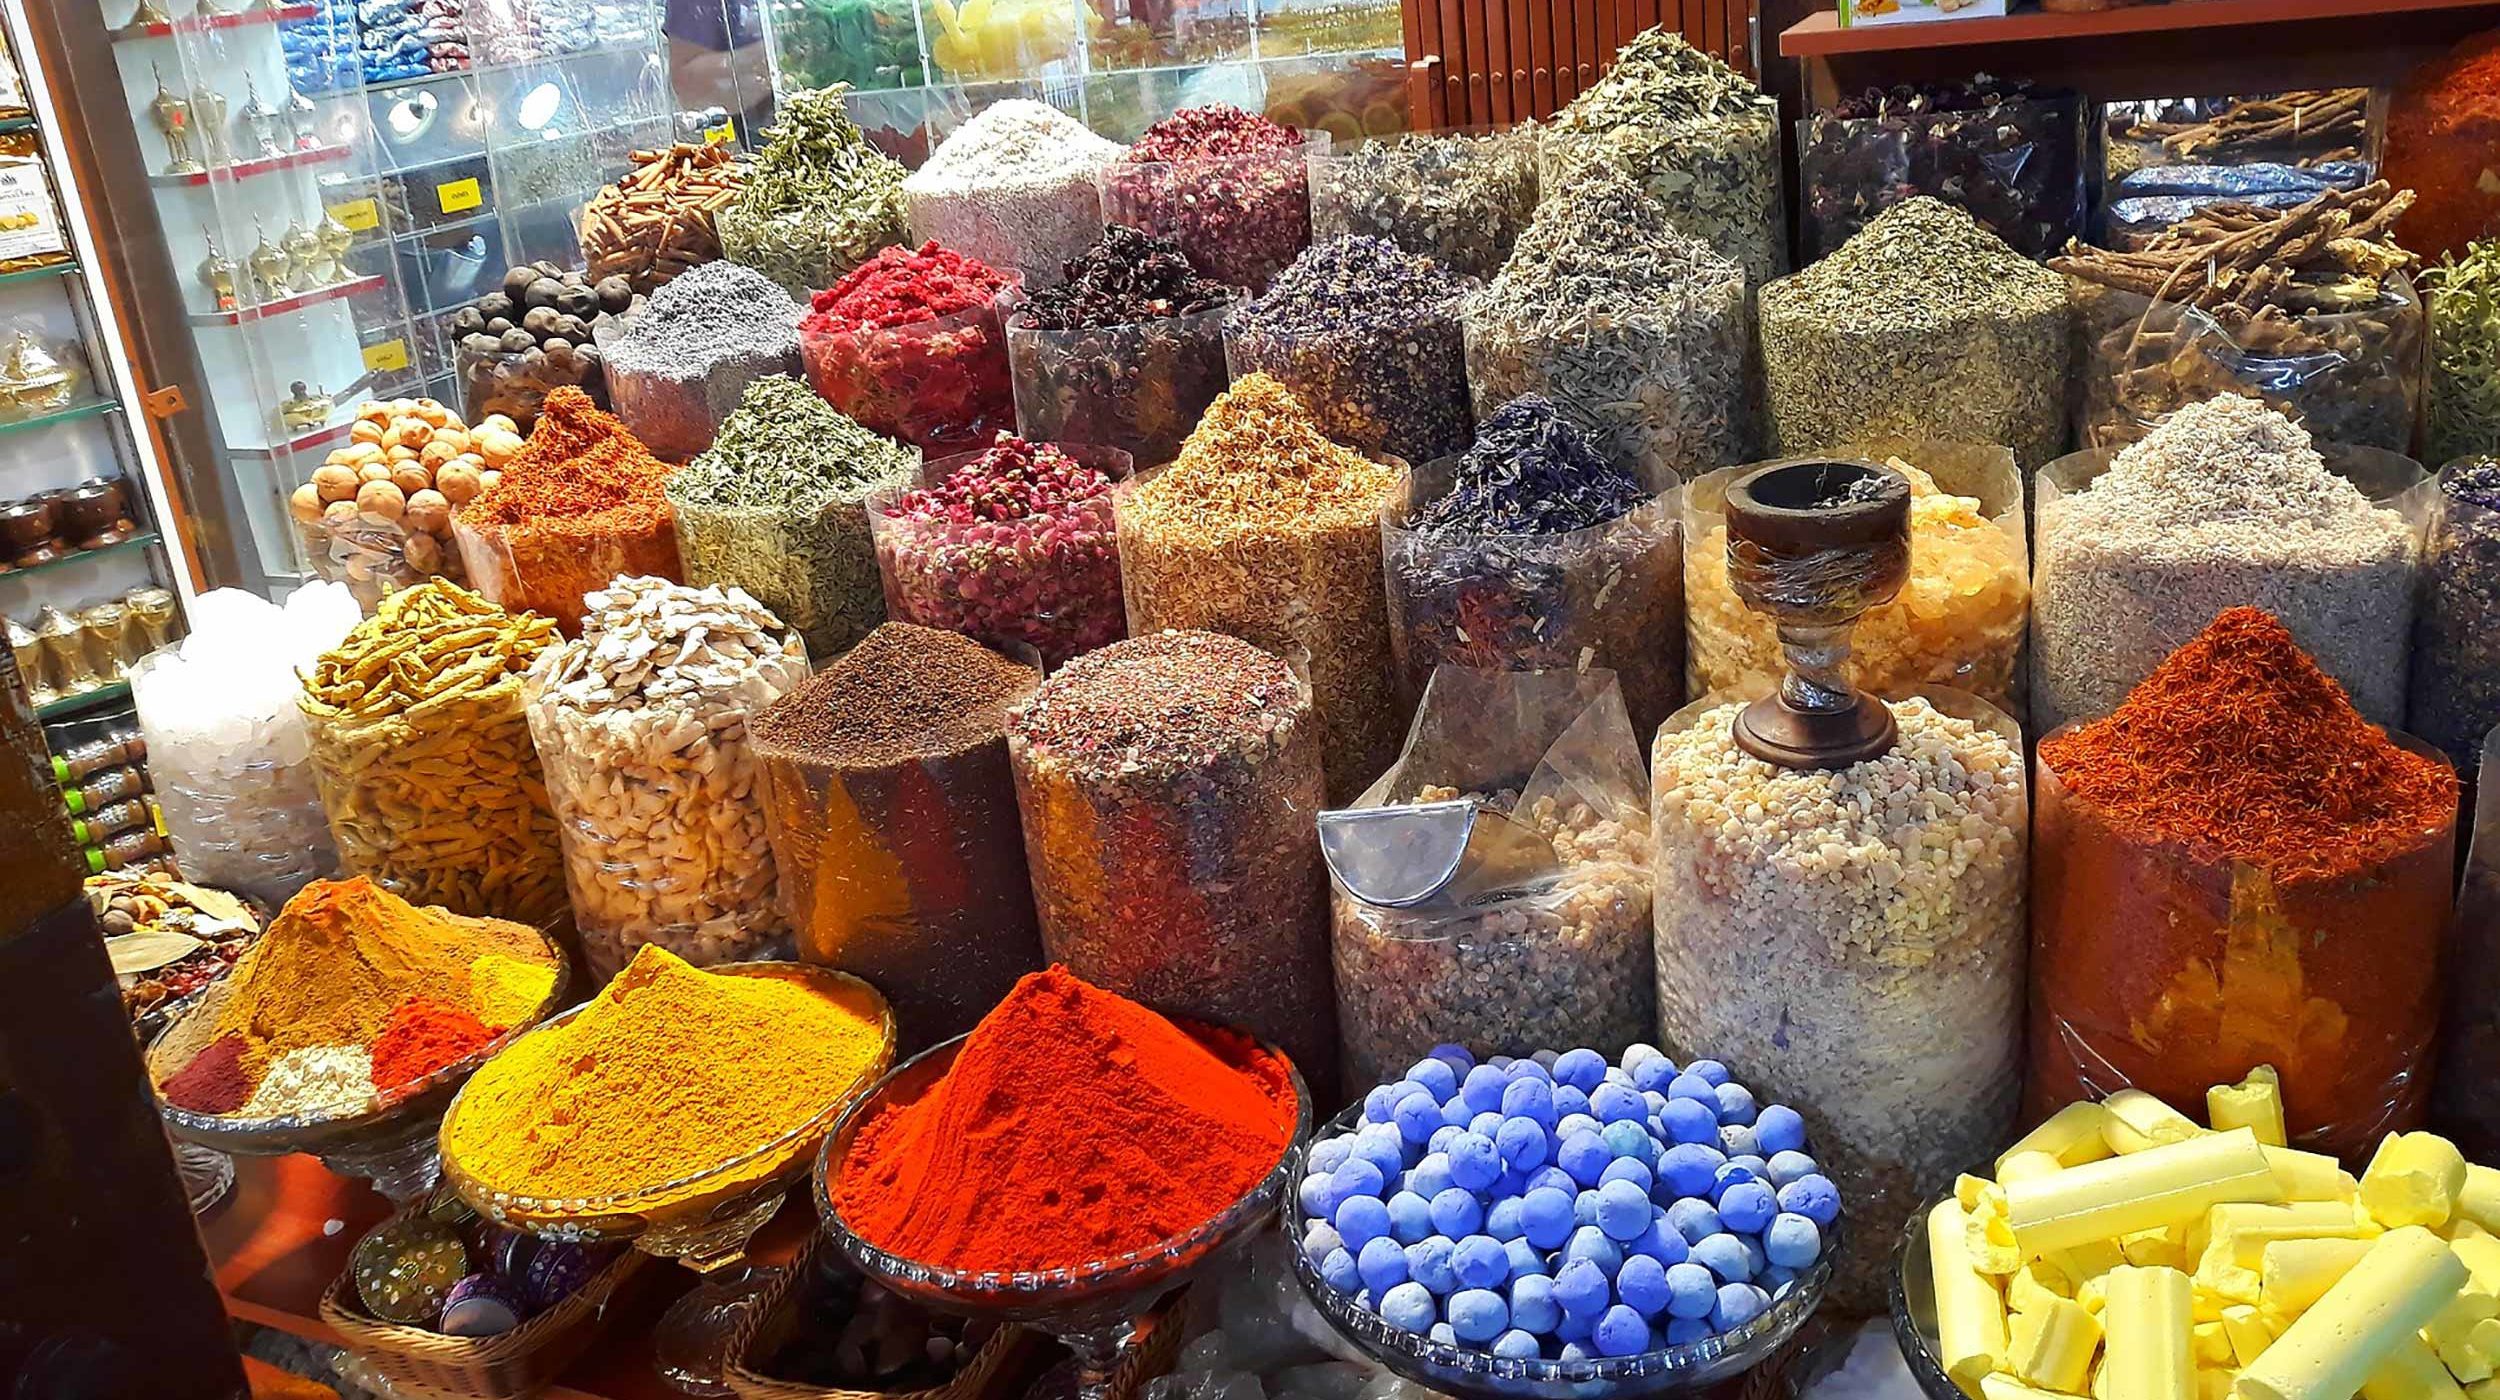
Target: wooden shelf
1820, 34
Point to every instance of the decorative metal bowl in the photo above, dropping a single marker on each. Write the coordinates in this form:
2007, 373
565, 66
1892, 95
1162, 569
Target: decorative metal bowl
1914, 1309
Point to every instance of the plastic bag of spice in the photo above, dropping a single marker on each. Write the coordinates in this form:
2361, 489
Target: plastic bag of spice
1228, 186
2465, 1094
2238, 869
2443, 125
1550, 946
2011, 157
1458, 197
1013, 544
2351, 375
680, 360
1167, 785
2455, 692
1605, 595
893, 822
913, 345
1138, 386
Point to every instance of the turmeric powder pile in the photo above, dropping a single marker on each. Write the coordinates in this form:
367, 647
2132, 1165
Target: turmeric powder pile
352, 993
669, 1072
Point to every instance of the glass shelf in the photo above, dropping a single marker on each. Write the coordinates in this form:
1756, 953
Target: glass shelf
262, 311
141, 540
82, 702
96, 409
261, 165
58, 269
197, 23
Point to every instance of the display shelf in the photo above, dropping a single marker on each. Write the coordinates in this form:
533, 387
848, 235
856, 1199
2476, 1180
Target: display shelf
1821, 33
93, 409
82, 702
245, 169
141, 540
490, 70
59, 269
198, 24
262, 311
11, 126
315, 440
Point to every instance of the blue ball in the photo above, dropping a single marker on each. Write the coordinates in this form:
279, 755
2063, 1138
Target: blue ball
1378, 1102
1621, 1332
1482, 1090
1710, 1071
1737, 1140
1501, 1220
1748, 1207
1481, 1262
1814, 1197
1584, 1207
1585, 1156
1614, 1103
1551, 1177
1340, 1271
1443, 1334
1382, 1264
1687, 1168
1525, 1259
1532, 1304
1455, 1212
1724, 1255
1627, 1169
1459, 1058
1522, 1143
1435, 1075
1780, 1129
1654, 1074
1630, 1140
1516, 1345
1418, 1115
1690, 1120
1736, 1104
1684, 1331
1530, 1068
1692, 1291
1590, 1243
1431, 1176
1530, 1097
1478, 1314
1360, 1176
1693, 1218
1761, 1169
1485, 1124
1329, 1155
1380, 1145
1790, 1165
1689, 1085
1362, 1219
1575, 1328
1582, 1289
1730, 1174
1582, 1069
1792, 1242
1623, 1210
1474, 1162
1318, 1240
1409, 1307
1429, 1262
1317, 1195
1571, 1124
1441, 1138
1456, 1114
1739, 1303
1576, 1351
1410, 1217
1512, 1182
1643, 1285
1570, 1101
1660, 1241
1545, 1215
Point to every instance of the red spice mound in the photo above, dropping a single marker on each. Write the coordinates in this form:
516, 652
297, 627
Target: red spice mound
2441, 126
900, 286
1218, 129
581, 467
423, 1036
1075, 1126
1013, 480
214, 1081
2239, 747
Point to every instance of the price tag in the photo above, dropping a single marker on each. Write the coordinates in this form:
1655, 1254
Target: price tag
387, 356
717, 135
359, 215
458, 195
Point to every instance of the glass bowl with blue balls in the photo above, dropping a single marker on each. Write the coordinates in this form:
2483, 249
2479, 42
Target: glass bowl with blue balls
1379, 1305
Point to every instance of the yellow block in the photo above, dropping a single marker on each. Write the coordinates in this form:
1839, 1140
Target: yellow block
2297, 1273
2213, 1345
2053, 1346
2408, 1275
2035, 1284
1970, 1315
2004, 1387
2152, 1347
2152, 1189
2248, 1333
2413, 1179
2023, 1166
2255, 1103
2137, 1122
2466, 1336
2480, 1200
2311, 1176
2482, 1258
2411, 1372
2072, 1135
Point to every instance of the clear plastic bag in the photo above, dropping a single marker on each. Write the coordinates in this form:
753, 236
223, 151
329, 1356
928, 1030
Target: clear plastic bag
1458, 197
516, 385
2455, 692
2016, 165
2156, 968
1138, 387
941, 385
909, 873
1051, 583
1719, 178
1959, 621
234, 778
2145, 204
529, 567
376, 558
677, 410
2105, 610
1558, 960
1607, 596
1397, 384
2307, 128
2465, 1093
2352, 376
1240, 219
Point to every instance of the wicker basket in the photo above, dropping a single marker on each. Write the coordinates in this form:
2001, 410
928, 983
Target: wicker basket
516, 1363
999, 1369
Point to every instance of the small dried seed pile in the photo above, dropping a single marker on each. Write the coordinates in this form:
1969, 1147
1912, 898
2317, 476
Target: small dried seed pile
819, 199
677, 366
778, 506
658, 221
1459, 199
1923, 327
1367, 335
2226, 503
1636, 332
1152, 772
641, 726
1264, 529
1013, 187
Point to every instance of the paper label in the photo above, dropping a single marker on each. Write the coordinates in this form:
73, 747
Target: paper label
714, 136
359, 215
459, 195
30, 224
387, 356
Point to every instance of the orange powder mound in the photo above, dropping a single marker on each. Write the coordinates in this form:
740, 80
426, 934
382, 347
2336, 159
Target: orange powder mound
1074, 1126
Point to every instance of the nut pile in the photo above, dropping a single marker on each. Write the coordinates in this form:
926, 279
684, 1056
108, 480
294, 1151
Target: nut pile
537, 333
678, 363
377, 512
641, 724
658, 221
1013, 187
1459, 199
424, 759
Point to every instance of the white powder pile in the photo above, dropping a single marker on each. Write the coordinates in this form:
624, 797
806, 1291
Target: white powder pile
1013, 187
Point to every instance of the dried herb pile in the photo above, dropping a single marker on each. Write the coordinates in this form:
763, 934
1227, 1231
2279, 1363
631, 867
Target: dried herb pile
2464, 299
1459, 199
818, 199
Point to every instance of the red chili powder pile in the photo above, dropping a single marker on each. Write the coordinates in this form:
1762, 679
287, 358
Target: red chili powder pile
582, 471
214, 1081
423, 1036
1075, 1126
2238, 746
900, 286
